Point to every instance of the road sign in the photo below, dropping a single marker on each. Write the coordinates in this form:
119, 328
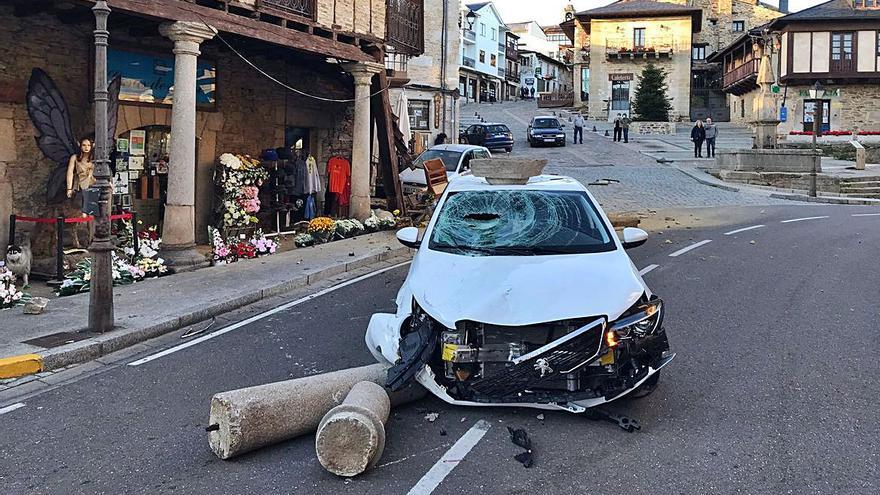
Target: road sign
775, 88
783, 114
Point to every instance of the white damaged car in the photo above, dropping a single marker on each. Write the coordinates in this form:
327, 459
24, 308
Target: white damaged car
522, 295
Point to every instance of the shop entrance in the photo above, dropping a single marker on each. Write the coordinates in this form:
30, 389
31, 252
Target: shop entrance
141, 172
297, 139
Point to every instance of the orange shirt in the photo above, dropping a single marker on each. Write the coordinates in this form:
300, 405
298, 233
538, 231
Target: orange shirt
339, 170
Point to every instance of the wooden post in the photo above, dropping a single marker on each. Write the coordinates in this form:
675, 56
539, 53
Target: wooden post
388, 159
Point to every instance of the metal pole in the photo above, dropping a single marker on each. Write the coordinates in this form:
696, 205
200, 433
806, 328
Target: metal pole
11, 240
101, 290
59, 251
817, 122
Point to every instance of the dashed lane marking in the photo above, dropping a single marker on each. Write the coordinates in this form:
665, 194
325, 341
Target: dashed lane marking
866, 214
689, 248
260, 316
13, 407
803, 219
438, 472
737, 231
646, 270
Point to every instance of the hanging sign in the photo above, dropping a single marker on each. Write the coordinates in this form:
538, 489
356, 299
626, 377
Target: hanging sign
437, 104
620, 77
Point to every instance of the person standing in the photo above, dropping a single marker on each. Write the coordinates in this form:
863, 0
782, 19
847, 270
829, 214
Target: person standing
617, 128
579, 124
440, 139
711, 134
624, 126
698, 135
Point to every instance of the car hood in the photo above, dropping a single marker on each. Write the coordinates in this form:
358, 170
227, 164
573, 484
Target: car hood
546, 131
523, 290
417, 176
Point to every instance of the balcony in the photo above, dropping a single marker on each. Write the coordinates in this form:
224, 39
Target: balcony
502, 48
470, 36
405, 26
512, 76
395, 68
742, 79
299, 8
468, 62
501, 72
511, 53
626, 49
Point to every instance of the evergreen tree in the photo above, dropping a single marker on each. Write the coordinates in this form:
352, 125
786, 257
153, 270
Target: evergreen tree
651, 101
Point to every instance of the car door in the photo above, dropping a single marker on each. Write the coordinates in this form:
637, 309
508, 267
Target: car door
478, 136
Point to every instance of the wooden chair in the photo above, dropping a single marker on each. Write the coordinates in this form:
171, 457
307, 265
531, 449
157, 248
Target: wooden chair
435, 176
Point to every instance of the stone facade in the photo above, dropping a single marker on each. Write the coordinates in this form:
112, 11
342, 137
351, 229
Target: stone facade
251, 112
718, 34
652, 128
355, 16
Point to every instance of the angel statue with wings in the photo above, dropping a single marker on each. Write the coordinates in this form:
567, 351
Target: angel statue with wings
73, 176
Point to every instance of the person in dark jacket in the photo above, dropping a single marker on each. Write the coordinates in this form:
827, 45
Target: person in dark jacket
698, 135
440, 139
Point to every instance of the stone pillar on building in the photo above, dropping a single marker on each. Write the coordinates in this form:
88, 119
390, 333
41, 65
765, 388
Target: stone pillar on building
178, 231
363, 73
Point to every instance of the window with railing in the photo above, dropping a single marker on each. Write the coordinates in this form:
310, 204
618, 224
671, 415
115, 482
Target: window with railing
842, 59
468, 62
304, 8
405, 22
395, 62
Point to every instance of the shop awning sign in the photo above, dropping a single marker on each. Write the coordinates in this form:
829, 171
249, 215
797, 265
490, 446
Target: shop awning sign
620, 77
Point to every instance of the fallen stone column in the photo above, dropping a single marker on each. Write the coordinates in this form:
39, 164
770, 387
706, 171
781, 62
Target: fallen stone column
249, 418
351, 437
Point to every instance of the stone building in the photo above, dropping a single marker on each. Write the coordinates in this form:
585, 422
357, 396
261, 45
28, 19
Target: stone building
721, 22
613, 44
324, 50
430, 80
835, 43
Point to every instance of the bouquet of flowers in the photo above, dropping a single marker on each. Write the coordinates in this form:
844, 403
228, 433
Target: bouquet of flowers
262, 244
220, 252
321, 228
78, 281
146, 260
349, 228
9, 295
244, 250
303, 240
239, 182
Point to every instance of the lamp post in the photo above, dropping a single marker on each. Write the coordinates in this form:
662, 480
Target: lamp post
471, 17
816, 93
101, 289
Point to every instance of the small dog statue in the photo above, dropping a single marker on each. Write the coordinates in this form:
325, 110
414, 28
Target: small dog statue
18, 260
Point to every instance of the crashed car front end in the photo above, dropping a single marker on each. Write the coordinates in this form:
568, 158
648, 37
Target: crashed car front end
570, 364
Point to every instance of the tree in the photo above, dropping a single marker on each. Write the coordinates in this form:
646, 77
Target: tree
651, 101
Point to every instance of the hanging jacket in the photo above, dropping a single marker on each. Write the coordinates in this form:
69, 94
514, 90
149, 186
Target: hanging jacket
302, 178
313, 176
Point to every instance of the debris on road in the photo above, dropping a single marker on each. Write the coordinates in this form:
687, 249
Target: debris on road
351, 437
193, 332
752, 242
521, 438
541, 417
624, 422
35, 305
432, 416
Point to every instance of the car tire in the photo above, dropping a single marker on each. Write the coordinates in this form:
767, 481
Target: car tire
646, 388
563, 144
509, 150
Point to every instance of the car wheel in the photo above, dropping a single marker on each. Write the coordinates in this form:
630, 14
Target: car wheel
646, 388
509, 150
563, 144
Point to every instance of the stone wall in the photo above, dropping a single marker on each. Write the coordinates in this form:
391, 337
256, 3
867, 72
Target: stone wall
720, 34
652, 128
251, 113
354, 16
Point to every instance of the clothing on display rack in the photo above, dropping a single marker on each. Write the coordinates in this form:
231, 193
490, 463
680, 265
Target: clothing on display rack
339, 178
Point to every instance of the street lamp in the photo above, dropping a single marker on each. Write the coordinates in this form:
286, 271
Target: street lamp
471, 17
585, 52
101, 289
817, 92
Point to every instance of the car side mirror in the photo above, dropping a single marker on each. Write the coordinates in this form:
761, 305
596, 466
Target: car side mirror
562, 126
633, 237
409, 237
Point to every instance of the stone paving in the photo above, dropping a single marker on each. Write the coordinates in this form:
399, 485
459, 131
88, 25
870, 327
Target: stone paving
644, 184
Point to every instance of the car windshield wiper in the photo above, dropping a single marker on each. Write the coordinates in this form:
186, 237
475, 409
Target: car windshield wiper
531, 250
463, 247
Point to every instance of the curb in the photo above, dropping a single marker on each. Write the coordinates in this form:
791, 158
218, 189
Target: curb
827, 199
704, 181
123, 337
24, 364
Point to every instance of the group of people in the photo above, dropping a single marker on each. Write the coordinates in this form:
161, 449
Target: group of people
704, 133
621, 127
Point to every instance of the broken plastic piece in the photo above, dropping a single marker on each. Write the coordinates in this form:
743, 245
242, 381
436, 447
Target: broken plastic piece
520, 438
416, 348
525, 458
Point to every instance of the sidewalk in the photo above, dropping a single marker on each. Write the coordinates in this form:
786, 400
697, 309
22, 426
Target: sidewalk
147, 309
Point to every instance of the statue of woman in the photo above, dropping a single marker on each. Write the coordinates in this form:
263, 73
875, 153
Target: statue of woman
80, 177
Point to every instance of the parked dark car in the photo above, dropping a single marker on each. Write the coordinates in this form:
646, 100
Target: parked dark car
546, 130
490, 135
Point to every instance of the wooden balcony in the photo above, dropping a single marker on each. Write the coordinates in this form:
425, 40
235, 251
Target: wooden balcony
844, 66
626, 49
300, 8
405, 30
741, 79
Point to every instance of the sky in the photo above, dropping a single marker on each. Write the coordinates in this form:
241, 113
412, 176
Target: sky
550, 11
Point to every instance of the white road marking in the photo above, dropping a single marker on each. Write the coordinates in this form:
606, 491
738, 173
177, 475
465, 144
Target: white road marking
646, 270
689, 248
737, 231
13, 407
260, 316
438, 472
802, 219
866, 214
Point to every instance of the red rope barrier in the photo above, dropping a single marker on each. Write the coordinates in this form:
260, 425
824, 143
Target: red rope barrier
121, 216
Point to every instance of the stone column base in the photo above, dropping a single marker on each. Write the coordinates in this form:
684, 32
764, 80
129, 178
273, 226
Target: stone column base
183, 258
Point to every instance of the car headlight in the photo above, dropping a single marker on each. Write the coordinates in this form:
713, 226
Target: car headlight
641, 320
560, 135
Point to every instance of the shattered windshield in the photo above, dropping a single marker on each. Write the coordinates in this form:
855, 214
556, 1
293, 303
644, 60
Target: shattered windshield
546, 124
450, 159
517, 222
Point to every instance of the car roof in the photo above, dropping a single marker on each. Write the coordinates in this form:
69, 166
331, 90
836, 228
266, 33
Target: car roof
456, 147
545, 117
538, 182
494, 123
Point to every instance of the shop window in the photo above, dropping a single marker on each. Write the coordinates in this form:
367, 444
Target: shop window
149, 77
619, 95
739, 26
493, 60
810, 110
639, 38
419, 114
482, 56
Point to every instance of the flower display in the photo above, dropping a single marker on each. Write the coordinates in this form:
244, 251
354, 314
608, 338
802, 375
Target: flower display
9, 294
375, 223
239, 183
303, 240
123, 273
349, 228
263, 244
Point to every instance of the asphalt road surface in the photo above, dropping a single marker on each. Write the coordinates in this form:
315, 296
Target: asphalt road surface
774, 388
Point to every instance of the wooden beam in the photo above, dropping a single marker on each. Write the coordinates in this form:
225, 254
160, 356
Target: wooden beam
388, 158
177, 10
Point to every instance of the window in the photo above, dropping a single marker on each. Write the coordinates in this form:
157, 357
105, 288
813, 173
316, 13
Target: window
841, 46
419, 111
482, 29
493, 60
739, 26
482, 56
494, 34
878, 43
698, 52
619, 95
639, 38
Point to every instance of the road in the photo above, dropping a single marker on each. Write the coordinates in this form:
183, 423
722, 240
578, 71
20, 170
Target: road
773, 390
